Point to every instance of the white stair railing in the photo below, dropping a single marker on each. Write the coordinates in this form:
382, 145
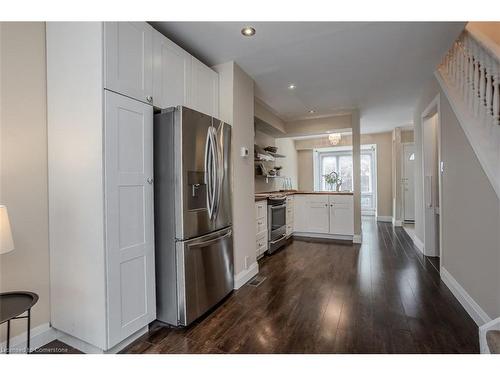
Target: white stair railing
470, 76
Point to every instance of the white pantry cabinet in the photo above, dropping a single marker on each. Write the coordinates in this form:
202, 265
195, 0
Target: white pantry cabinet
128, 150
129, 59
324, 214
100, 169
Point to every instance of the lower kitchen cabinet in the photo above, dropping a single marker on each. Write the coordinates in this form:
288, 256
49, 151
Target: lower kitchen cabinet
324, 214
261, 227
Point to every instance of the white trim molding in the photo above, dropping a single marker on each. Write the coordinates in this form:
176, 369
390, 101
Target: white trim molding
246, 275
385, 219
91, 349
483, 345
357, 238
328, 236
418, 244
472, 307
397, 223
40, 336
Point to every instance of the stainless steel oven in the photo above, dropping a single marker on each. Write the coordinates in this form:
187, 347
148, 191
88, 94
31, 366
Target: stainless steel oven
276, 221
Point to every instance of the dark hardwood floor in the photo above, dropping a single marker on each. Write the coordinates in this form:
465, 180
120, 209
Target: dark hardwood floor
326, 297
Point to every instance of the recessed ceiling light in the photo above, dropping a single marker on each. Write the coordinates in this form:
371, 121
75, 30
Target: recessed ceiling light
291, 86
312, 111
248, 31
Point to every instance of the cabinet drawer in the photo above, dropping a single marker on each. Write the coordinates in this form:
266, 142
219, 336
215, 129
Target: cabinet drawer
260, 210
261, 243
341, 199
289, 229
289, 214
289, 201
261, 225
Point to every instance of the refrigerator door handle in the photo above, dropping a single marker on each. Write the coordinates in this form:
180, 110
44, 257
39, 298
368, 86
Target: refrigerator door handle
220, 164
213, 240
209, 172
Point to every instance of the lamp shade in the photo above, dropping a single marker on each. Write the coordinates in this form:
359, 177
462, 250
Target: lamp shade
6, 241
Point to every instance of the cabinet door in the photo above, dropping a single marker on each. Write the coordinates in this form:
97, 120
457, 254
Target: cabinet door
311, 213
204, 96
171, 73
129, 59
128, 133
341, 215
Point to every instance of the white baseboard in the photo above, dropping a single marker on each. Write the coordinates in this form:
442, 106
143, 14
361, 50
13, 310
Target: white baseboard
40, 336
418, 244
357, 238
326, 236
483, 345
397, 223
473, 309
246, 275
91, 349
385, 219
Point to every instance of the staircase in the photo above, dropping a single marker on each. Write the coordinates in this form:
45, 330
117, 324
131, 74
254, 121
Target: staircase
470, 77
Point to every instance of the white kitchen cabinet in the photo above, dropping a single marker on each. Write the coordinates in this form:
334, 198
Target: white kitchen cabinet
128, 148
204, 92
289, 219
100, 196
172, 71
261, 227
311, 213
128, 56
324, 214
341, 215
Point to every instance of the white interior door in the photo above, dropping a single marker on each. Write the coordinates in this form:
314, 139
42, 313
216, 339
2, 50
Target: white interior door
129, 59
129, 216
408, 181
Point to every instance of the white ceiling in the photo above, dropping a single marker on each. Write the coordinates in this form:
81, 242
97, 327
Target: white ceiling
378, 67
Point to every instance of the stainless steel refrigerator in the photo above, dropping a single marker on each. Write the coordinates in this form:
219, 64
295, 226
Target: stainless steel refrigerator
193, 234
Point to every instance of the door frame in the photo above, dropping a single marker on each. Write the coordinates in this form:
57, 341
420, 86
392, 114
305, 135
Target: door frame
403, 145
432, 109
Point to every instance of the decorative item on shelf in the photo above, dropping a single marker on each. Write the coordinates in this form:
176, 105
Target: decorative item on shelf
271, 172
334, 138
278, 169
333, 178
260, 169
271, 149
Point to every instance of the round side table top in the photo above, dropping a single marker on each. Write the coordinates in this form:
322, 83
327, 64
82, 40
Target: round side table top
13, 304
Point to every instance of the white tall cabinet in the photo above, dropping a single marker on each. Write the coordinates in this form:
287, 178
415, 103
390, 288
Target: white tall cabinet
100, 153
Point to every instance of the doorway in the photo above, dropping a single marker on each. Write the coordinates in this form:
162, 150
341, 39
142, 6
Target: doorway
431, 162
408, 182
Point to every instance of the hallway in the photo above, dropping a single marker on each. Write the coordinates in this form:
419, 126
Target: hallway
382, 297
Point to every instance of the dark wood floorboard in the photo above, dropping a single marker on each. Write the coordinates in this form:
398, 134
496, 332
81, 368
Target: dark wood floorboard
326, 297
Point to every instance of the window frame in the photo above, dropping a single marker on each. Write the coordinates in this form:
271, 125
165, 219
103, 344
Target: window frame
319, 153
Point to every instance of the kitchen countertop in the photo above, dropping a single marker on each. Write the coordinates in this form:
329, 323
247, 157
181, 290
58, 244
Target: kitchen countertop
264, 196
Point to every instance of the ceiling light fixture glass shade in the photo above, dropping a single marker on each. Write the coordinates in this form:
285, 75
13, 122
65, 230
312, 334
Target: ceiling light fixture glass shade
291, 86
334, 138
248, 31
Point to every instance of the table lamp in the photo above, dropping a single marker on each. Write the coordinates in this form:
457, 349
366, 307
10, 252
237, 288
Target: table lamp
6, 241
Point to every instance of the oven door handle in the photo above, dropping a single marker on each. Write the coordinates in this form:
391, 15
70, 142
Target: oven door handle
276, 207
278, 240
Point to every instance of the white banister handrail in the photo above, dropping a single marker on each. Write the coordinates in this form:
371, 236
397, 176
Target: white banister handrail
484, 40
470, 76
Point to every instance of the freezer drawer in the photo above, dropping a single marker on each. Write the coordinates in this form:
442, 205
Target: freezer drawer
205, 273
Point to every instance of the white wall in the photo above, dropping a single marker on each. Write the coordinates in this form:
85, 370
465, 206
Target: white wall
286, 147
469, 208
23, 165
236, 106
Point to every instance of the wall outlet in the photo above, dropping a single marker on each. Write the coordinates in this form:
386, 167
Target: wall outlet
246, 263
244, 152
